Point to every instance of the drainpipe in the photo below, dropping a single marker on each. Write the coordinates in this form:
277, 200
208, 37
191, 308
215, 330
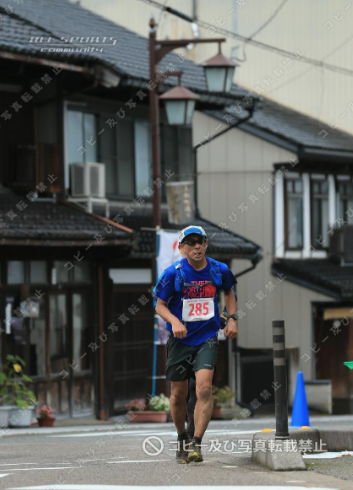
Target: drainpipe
199, 145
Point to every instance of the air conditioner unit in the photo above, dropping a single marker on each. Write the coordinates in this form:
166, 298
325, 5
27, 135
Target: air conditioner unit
341, 244
88, 179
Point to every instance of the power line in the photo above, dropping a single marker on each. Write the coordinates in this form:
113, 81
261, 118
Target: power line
269, 20
268, 47
265, 24
304, 72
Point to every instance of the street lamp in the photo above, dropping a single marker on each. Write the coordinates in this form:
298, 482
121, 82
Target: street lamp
178, 108
219, 72
179, 105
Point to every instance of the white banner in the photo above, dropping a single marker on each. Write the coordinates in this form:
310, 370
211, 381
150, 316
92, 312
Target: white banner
168, 250
168, 254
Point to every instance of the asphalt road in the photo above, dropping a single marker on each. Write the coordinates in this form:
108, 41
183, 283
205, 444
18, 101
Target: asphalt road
144, 456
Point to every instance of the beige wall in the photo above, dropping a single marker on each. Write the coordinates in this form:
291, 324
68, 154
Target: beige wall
135, 15
299, 25
231, 169
321, 93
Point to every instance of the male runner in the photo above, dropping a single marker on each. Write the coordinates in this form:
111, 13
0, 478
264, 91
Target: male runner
187, 301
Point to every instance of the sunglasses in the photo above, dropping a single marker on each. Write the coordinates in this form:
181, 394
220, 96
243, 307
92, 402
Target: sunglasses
192, 242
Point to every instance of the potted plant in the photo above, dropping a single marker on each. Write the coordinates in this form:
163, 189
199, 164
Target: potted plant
222, 397
15, 397
45, 418
155, 411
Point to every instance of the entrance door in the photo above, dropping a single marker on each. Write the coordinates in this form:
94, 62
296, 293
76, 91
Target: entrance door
334, 346
69, 360
132, 345
58, 352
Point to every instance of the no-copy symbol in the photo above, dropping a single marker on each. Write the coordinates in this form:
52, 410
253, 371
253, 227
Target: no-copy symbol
153, 446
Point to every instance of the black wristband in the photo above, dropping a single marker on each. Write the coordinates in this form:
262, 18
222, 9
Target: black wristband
234, 316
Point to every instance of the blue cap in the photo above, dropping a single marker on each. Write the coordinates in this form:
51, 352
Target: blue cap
191, 230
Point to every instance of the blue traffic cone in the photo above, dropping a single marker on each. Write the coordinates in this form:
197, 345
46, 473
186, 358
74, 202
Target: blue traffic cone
300, 412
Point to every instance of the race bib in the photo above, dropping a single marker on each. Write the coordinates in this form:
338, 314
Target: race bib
197, 309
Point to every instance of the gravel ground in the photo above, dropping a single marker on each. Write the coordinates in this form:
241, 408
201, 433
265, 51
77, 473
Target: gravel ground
338, 467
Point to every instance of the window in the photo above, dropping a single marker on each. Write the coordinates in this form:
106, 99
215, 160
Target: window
82, 272
38, 272
58, 333
126, 157
143, 167
79, 273
37, 358
62, 272
125, 149
82, 133
15, 272
80, 322
344, 201
294, 214
320, 214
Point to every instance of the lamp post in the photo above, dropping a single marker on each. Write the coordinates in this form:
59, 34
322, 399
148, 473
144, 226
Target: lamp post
180, 103
157, 50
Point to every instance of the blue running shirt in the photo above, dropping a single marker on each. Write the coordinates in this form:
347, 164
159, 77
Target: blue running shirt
198, 331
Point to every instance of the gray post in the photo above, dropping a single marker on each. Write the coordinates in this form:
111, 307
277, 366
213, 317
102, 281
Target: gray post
280, 380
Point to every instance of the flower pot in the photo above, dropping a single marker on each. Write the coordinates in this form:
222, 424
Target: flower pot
147, 416
4, 415
46, 421
20, 417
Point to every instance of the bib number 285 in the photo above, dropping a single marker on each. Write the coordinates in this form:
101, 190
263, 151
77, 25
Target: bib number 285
198, 309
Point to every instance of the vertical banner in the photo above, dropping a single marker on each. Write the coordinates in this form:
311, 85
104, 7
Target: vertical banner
167, 255
181, 203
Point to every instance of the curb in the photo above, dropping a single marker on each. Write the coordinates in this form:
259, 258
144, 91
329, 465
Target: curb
282, 459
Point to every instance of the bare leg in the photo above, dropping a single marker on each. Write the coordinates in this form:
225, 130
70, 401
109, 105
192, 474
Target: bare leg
191, 403
178, 404
204, 405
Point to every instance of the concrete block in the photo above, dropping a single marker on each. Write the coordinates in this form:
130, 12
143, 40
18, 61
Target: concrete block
312, 435
337, 439
277, 455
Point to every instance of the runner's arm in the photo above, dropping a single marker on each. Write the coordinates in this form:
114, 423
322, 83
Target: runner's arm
230, 302
178, 328
231, 328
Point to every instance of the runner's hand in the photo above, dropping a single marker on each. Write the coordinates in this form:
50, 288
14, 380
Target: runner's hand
179, 330
231, 329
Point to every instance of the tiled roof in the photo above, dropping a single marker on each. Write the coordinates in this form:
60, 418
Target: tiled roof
51, 223
322, 275
292, 126
129, 57
222, 244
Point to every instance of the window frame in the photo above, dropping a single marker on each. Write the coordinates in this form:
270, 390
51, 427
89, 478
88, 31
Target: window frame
314, 180
286, 230
344, 198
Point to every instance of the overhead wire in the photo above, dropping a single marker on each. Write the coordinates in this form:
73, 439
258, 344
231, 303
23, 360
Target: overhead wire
265, 24
298, 56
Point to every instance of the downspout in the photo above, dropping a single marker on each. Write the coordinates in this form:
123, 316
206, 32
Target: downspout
257, 259
258, 256
254, 262
199, 145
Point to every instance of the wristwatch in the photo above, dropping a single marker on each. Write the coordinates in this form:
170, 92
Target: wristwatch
235, 316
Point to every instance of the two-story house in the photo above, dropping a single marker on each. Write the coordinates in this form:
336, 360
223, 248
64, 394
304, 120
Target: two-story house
287, 183
76, 211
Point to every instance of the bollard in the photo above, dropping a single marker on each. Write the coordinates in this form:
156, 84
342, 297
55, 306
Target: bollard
280, 379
